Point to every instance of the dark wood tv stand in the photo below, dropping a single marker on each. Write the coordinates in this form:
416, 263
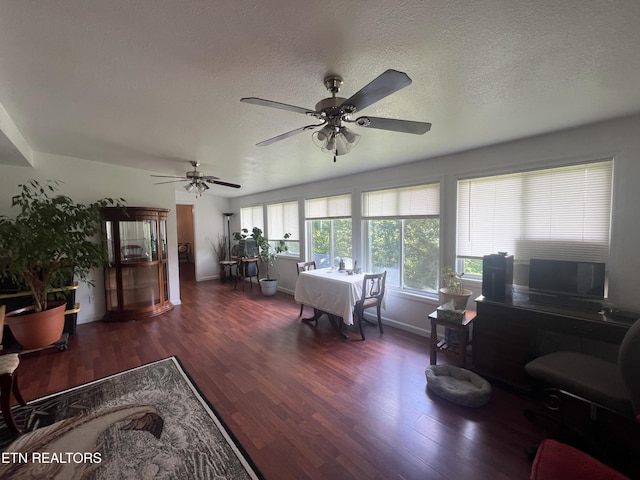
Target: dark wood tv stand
508, 334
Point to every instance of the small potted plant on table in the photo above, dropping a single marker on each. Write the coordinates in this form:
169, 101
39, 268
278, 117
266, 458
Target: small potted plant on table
454, 289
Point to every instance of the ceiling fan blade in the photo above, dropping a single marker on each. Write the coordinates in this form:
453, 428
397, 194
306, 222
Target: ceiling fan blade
404, 126
209, 178
224, 184
169, 176
287, 135
389, 82
272, 104
171, 181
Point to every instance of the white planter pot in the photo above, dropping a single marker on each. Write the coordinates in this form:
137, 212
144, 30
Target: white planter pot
460, 301
269, 286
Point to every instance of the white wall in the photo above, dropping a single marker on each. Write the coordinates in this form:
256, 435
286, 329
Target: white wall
617, 138
86, 182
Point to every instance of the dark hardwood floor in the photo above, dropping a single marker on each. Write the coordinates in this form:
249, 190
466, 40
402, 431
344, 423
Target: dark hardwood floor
303, 402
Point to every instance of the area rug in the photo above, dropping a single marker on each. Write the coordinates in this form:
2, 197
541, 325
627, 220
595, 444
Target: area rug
150, 422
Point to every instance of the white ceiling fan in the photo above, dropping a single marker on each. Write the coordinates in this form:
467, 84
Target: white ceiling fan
197, 180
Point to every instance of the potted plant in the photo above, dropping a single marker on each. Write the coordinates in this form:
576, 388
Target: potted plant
47, 245
267, 254
219, 248
454, 289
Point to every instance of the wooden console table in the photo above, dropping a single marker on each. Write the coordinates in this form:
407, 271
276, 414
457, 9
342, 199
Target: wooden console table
457, 352
508, 334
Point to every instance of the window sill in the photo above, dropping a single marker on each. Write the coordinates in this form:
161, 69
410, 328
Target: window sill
427, 298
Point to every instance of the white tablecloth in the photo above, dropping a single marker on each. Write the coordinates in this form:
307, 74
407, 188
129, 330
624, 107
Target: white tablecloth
330, 291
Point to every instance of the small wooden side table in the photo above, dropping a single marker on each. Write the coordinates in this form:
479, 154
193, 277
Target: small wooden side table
459, 351
224, 264
247, 268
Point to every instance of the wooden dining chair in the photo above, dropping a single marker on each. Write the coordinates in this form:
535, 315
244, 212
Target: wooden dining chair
9, 363
372, 295
303, 267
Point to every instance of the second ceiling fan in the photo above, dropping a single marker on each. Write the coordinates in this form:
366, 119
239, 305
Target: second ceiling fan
334, 112
197, 180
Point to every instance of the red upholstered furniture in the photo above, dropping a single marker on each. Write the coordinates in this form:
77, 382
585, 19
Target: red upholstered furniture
559, 461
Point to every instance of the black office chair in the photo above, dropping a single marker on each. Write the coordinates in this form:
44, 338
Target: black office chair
372, 296
601, 384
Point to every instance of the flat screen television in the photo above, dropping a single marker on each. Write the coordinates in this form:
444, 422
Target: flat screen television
567, 278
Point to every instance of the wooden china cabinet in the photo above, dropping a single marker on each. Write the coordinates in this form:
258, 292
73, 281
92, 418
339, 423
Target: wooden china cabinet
137, 279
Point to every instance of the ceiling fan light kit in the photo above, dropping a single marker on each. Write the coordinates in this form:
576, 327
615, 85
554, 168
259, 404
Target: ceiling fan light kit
335, 138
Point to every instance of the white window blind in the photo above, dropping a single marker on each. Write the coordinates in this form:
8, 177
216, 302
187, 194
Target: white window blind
337, 206
556, 213
283, 218
252, 217
415, 201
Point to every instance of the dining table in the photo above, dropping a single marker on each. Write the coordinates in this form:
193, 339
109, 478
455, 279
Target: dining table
331, 292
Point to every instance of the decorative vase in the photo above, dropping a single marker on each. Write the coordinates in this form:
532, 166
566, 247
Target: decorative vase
35, 330
459, 299
269, 286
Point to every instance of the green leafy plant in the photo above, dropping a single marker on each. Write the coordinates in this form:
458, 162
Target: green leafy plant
453, 281
267, 252
50, 241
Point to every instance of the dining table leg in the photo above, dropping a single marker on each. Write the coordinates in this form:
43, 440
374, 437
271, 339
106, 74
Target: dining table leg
316, 315
334, 320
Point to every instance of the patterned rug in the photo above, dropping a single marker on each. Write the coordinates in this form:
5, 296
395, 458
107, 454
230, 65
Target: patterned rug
150, 422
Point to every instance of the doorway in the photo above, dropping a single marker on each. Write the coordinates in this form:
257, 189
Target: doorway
186, 241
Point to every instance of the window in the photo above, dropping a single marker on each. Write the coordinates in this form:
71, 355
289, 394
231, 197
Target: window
252, 217
329, 232
401, 227
282, 218
556, 213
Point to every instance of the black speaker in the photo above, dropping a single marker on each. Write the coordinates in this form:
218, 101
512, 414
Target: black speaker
497, 276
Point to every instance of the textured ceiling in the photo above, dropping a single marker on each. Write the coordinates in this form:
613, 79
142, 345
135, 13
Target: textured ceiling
155, 83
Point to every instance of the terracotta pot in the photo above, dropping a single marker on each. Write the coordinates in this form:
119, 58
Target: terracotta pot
459, 300
35, 330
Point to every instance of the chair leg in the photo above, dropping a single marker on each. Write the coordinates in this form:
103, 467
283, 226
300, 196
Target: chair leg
359, 315
301, 308
379, 319
6, 386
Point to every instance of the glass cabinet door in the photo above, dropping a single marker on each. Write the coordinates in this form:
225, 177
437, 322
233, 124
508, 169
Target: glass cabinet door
136, 280
108, 231
163, 239
138, 241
